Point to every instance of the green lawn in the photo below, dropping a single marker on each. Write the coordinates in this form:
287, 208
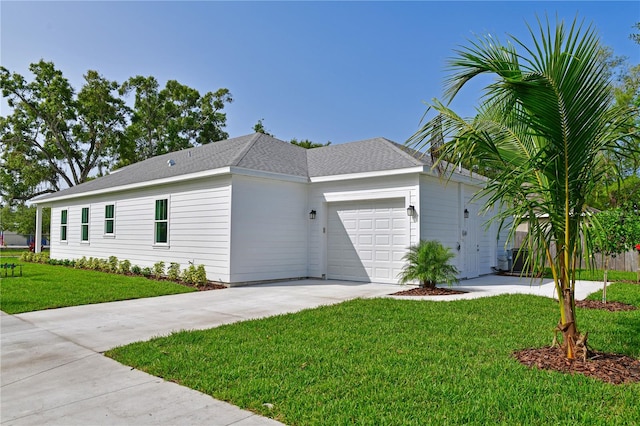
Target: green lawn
598, 275
398, 362
45, 287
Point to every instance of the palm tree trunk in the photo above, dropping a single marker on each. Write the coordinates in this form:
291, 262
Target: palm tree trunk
568, 327
428, 284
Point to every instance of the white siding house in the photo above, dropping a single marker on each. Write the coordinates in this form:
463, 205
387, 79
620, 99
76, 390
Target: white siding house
243, 208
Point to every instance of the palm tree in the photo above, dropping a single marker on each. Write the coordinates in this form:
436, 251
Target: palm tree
428, 262
544, 125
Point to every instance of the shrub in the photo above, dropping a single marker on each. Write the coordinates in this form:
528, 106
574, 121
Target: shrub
82, 263
428, 263
102, 265
200, 276
174, 271
92, 264
26, 256
158, 269
189, 274
146, 272
136, 270
113, 264
124, 267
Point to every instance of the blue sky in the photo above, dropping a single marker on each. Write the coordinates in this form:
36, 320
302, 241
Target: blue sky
325, 71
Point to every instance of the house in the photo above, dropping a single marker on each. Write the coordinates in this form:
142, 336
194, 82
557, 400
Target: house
255, 208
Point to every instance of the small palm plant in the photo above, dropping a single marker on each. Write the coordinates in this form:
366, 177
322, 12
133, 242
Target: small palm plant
428, 262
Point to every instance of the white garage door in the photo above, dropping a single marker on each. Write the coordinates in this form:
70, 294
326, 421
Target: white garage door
367, 240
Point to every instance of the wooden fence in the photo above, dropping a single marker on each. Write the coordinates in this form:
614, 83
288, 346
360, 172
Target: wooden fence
624, 262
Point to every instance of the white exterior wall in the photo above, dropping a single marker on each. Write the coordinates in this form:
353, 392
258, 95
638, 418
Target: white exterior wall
199, 217
269, 229
443, 205
441, 214
375, 188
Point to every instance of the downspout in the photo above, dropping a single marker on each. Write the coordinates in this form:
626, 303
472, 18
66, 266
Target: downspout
38, 237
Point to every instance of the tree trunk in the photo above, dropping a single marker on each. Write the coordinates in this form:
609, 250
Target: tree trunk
568, 329
428, 284
604, 287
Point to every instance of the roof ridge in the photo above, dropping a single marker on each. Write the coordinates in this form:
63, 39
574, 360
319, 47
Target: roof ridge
245, 151
402, 149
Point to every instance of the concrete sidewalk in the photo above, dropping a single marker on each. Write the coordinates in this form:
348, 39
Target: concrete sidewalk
53, 371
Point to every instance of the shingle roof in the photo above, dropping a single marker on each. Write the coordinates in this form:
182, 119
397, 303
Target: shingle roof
262, 153
363, 156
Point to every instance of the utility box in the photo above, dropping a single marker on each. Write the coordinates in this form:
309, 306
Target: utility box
504, 261
519, 256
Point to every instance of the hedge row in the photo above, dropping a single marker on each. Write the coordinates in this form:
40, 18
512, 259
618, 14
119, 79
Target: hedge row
193, 275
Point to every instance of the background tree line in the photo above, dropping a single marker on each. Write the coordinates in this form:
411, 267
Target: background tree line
57, 137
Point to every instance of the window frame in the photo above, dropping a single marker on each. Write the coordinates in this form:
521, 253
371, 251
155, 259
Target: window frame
160, 218
64, 225
84, 225
111, 220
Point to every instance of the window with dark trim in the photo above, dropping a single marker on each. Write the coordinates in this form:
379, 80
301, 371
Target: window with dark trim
63, 225
161, 233
84, 225
109, 219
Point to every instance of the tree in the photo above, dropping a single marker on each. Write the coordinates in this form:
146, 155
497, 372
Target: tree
259, 128
615, 232
622, 189
22, 219
624, 194
428, 262
546, 123
173, 118
55, 137
307, 144
636, 36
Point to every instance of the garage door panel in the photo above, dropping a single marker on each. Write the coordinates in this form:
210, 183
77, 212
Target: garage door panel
382, 224
382, 240
366, 255
399, 223
367, 240
350, 224
398, 255
399, 240
383, 255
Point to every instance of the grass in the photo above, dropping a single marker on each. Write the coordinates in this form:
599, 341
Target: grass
47, 287
398, 362
598, 275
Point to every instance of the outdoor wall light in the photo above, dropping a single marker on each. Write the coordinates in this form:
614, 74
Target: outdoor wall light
312, 214
411, 211
466, 214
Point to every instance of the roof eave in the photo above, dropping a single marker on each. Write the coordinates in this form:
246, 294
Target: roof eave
372, 174
207, 173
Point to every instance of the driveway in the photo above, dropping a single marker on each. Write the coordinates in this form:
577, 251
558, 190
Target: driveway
53, 370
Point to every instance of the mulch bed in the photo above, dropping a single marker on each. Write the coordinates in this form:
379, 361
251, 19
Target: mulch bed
425, 291
609, 368
208, 286
609, 306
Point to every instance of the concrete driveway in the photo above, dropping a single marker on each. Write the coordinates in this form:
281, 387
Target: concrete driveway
53, 370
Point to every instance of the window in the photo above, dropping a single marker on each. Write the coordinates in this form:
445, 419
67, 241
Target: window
162, 222
109, 218
84, 225
63, 225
